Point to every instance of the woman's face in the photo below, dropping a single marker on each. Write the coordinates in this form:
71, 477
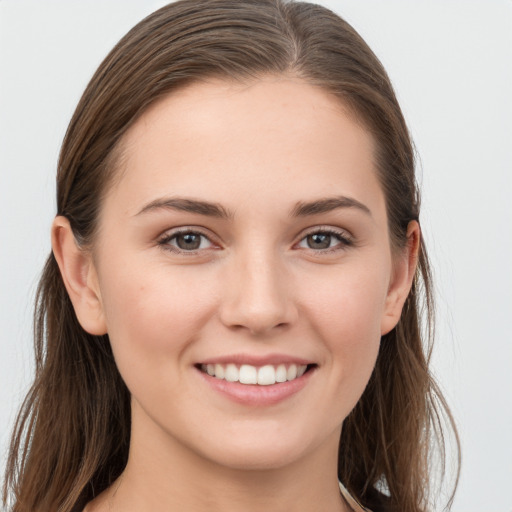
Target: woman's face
246, 238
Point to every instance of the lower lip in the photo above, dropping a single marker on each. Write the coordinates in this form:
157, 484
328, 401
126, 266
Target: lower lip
253, 394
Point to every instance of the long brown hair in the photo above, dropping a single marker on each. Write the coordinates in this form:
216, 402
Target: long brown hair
72, 434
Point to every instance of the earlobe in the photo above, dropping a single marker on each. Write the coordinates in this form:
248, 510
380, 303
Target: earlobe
403, 277
79, 276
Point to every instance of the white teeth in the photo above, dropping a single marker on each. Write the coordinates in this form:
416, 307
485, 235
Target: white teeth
247, 374
266, 375
232, 374
281, 373
292, 372
219, 371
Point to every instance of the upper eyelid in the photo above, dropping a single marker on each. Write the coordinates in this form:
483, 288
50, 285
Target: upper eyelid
202, 231
342, 233
172, 232
322, 228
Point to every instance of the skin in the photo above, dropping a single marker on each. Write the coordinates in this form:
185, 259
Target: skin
255, 286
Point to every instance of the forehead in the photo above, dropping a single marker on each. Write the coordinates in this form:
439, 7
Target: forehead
276, 137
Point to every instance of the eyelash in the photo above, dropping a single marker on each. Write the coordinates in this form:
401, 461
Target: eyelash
344, 239
164, 242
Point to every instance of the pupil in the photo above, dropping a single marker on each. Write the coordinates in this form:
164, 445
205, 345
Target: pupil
319, 241
189, 241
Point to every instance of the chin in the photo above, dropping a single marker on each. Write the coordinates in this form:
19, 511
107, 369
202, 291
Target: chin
264, 450
257, 457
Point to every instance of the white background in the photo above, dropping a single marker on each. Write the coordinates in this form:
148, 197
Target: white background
451, 64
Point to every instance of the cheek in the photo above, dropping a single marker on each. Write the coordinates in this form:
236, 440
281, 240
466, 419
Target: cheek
153, 314
348, 304
346, 313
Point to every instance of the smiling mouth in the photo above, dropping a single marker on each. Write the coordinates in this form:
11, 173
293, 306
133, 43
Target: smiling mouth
266, 375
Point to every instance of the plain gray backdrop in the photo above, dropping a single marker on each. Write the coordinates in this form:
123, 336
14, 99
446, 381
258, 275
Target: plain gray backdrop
451, 64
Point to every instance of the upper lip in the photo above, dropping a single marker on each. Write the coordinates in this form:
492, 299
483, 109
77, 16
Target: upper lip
257, 360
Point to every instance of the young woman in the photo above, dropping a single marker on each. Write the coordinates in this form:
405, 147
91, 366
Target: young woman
230, 317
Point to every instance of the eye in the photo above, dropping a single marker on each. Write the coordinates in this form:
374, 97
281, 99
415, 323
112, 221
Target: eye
326, 240
185, 241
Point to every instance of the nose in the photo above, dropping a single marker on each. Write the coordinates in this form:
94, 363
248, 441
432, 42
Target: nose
258, 296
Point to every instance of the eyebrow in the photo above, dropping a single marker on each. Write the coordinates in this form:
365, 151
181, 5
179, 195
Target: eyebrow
188, 205
328, 204
209, 209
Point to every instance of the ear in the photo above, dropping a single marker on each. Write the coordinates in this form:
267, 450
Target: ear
79, 276
404, 269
